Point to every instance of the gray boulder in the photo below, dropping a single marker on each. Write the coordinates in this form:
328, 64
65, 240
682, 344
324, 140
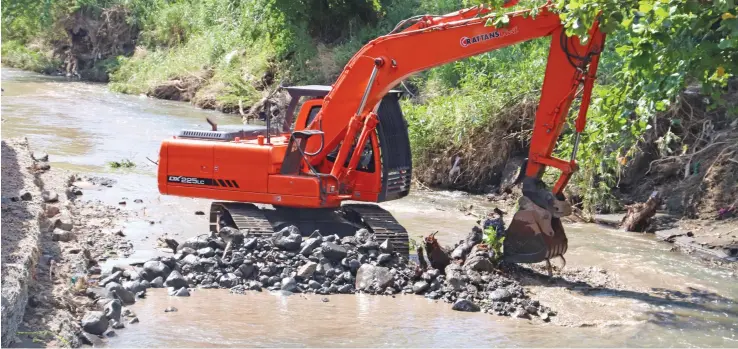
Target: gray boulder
50, 196
175, 280
430, 274
158, 282
125, 296
354, 264
289, 284
185, 251
253, 285
206, 252
479, 260
228, 280
386, 246
288, 239
309, 245
63, 222
95, 322
191, 259
384, 258
114, 277
465, 305
135, 286
362, 235
455, 277
466, 246
247, 270
51, 210
420, 287
131, 274
155, 269
62, 235
307, 270
195, 243
314, 284
369, 276
250, 243
170, 262
500, 295
181, 292
112, 310
333, 252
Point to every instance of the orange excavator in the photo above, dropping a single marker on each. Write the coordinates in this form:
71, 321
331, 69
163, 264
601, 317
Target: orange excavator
348, 145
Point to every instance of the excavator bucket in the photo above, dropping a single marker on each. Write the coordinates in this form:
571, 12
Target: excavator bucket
535, 234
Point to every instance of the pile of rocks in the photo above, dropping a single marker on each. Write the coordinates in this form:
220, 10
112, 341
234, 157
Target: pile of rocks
287, 262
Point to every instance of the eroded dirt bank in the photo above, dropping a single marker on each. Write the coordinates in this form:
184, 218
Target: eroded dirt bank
53, 244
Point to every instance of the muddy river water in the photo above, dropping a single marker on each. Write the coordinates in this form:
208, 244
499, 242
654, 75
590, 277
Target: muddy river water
669, 299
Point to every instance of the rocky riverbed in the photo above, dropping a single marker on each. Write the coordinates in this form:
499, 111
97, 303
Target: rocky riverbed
288, 263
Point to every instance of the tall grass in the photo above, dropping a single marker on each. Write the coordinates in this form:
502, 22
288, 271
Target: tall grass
16, 54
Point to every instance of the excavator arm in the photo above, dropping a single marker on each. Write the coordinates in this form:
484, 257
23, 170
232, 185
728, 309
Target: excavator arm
348, 117
347, 113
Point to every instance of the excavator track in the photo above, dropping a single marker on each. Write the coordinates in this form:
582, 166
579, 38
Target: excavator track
344, 221
383, 224
247, 218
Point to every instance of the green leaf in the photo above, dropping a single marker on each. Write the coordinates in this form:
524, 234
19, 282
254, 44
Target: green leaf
726, 44
502, 21
623, 50
661, 12
645, 6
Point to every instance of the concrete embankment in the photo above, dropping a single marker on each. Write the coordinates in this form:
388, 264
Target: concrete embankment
21, 212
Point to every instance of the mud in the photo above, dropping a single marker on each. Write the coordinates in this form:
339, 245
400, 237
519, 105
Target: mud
181, 88
696, 175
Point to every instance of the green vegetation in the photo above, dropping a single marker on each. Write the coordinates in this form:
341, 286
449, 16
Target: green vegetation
493, 242
42, 337
480, 108
125, 163
16, 54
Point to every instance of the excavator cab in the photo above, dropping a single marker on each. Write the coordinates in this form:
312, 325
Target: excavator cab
390, 141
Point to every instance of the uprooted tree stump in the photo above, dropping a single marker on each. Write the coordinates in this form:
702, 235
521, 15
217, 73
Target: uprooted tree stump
638, 217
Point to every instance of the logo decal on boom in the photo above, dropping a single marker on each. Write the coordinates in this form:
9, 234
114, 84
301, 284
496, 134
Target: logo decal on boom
466, 41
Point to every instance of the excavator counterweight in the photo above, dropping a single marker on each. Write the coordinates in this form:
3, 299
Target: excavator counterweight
349, 142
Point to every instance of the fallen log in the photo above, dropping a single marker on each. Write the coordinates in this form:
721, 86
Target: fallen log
639, 215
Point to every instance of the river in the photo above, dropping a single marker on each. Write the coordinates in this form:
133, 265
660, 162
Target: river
669, 299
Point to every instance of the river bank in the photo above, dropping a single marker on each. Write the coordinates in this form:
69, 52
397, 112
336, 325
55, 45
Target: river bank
60, 241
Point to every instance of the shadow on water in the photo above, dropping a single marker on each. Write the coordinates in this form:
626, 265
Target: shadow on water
680, 304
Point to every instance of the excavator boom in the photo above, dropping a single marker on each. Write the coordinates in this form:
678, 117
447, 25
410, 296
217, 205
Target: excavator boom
349, 140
